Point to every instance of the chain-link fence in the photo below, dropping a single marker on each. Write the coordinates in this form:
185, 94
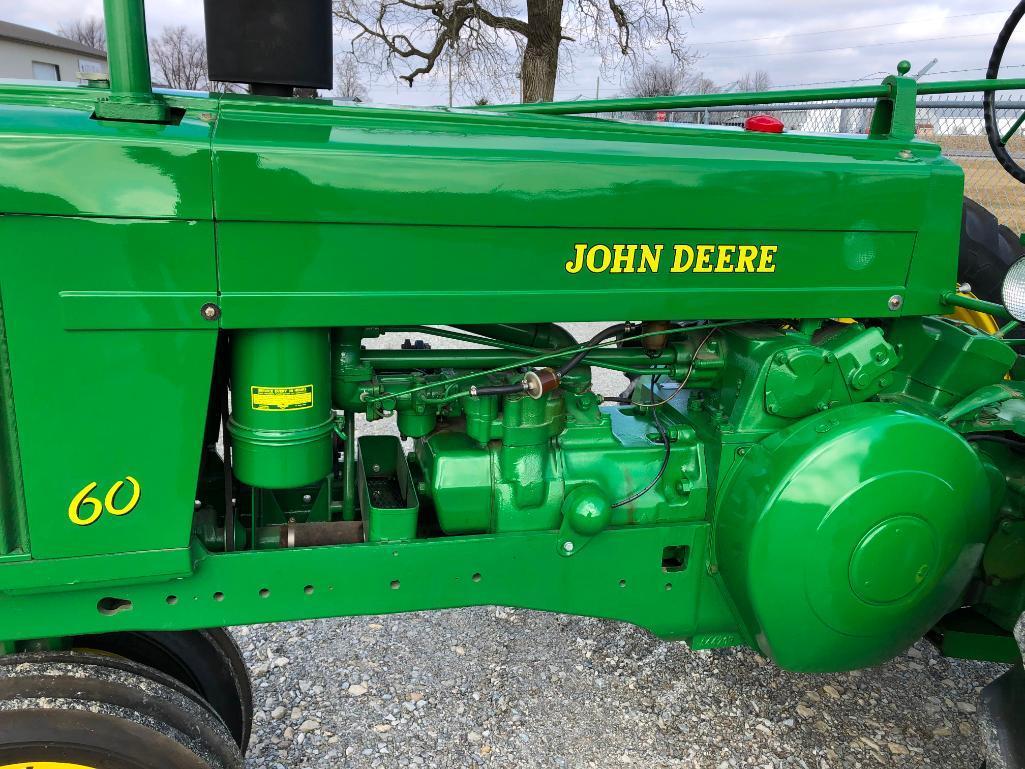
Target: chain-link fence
956, 124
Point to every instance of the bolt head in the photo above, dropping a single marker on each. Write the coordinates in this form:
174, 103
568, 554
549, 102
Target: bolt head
568, 546
307, 498
896, 302
210, 311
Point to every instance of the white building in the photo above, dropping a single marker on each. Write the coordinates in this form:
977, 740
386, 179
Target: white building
31, 54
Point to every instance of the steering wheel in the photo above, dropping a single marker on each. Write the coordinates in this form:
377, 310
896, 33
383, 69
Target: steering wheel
997, 142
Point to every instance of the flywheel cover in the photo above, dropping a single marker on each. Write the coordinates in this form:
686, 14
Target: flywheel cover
844, 538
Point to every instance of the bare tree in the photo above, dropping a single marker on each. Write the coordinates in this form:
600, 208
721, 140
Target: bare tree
349, 79
179, 59
217, 86
758, 80
700, 84
655, 80
488, 39
88, 31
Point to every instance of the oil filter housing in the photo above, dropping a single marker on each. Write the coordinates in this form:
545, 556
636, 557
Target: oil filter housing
281, 422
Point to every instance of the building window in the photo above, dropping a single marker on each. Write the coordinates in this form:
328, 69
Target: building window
43, 71
89, 65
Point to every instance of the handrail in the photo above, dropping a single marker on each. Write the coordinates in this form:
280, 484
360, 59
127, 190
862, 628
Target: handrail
796, 96
971, 86
588, 106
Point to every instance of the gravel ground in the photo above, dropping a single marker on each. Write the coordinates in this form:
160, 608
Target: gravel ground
507, 687
514, 688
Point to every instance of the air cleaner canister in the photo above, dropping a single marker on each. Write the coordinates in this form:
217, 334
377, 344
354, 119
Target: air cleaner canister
281, 421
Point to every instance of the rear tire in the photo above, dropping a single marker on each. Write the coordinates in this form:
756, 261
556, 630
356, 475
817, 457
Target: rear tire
988, 249
105, 713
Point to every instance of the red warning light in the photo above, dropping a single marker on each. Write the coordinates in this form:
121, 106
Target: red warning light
765, 124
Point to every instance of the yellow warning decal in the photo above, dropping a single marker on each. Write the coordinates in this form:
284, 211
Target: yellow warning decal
45, 765
281, 399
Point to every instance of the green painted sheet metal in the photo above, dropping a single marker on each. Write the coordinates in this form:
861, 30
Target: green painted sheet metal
113, 310
29, 576
98, 406
56, 159
308, 163
429, 189
276, 275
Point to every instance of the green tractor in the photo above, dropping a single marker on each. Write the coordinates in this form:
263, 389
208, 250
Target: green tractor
820, 455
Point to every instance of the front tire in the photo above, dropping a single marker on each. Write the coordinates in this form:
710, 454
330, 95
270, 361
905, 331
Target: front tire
207, 661
104, 713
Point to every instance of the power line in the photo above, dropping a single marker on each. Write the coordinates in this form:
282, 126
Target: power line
843, 29
847, 47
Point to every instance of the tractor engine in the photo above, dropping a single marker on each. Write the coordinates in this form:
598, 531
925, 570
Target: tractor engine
844, 516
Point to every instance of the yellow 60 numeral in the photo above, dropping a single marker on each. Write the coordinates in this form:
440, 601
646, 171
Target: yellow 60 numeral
96, 508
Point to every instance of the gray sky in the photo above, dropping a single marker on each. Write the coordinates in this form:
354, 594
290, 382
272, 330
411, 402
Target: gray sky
795, 41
